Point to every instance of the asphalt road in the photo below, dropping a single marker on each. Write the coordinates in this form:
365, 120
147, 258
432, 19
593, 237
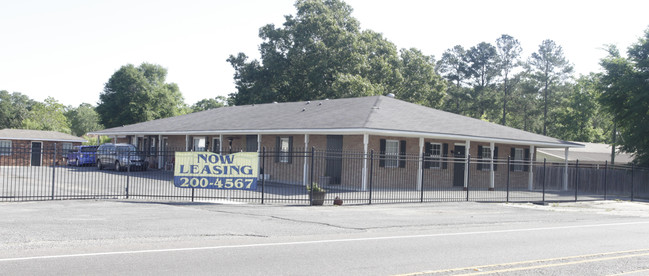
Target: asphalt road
144, 238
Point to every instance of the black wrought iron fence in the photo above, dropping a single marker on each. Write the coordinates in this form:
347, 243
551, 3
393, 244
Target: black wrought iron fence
353, 177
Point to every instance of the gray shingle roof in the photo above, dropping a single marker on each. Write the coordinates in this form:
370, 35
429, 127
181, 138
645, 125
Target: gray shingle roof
377, 115
38, 135
591, 152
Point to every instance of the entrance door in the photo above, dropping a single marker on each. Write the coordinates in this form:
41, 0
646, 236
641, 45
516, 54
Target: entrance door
334, 159
37, 150
458, 167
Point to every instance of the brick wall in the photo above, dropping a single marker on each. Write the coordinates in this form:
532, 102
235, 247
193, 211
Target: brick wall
21, 153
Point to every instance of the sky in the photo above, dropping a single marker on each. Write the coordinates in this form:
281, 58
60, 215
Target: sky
68, 49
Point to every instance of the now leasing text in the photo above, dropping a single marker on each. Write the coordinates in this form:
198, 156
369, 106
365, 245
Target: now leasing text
215, 171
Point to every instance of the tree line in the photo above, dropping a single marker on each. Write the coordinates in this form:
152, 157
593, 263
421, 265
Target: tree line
321, 52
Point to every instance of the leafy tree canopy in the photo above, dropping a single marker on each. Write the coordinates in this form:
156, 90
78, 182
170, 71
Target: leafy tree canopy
626, 95
321, 52
49, 115
549, 68
83, 119
14, 108
210, 103
139, 94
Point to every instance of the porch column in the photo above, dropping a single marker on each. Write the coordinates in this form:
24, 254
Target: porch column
258, 143
565, 171
305, 174
186, 142
160, 153
366, 141
114, 139
98, 140
466, 161
530, 179
220, 143
421, 164
492, 178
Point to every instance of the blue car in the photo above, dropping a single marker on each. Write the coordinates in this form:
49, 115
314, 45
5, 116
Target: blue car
82, 155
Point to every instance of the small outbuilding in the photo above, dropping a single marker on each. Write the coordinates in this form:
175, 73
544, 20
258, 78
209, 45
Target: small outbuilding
25, 147
591, 153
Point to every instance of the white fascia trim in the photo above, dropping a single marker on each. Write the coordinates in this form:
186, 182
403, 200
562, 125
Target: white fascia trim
357, 131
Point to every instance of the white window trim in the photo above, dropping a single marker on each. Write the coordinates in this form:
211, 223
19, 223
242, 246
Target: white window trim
436, 160
486, 161
518, 162
8, 152
391, 158
67, 147
284, 152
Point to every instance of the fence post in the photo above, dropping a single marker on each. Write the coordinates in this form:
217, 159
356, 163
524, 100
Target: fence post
263, 176
468, 175
605, 183
53, 170
544, 160
576, 179
128, 172
311, 175
508, 173
421, 198
632, 184
371, 173
192, 194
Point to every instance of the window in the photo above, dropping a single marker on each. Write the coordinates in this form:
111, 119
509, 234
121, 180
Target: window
199, 144
5, 147
391, 153
67, 147
486, 158
153, 147
283, 149
435, 154
518, 159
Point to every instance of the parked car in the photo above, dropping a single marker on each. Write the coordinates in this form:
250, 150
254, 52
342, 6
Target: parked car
82, 155
120, 157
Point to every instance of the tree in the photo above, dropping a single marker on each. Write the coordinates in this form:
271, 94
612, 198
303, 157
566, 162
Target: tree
453, 67
482, 69
579, 116
138, 94
320, 53
83, 119
14, 108
549, 67
421, 84
624, 86
210, 103
509, 50
49, 115
524, 111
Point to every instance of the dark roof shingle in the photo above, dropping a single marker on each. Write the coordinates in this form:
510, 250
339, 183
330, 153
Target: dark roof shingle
366, 114
40, 135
